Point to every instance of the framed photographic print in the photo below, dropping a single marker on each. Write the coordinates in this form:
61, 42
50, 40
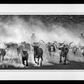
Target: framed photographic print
39, 40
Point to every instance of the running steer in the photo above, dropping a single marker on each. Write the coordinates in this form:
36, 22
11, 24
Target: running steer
51, 49
38, 53
64, 51
2, 54
25, 58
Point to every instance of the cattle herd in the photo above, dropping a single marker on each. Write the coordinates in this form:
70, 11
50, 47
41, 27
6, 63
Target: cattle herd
23, 49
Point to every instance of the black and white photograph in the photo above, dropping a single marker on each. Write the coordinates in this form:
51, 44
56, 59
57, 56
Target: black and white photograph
41, 41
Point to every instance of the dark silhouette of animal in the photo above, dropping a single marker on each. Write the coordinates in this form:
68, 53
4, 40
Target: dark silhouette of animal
58, 45
19, 48
2, 54
9, 45
74, 50
82, 50
38, 53
64, 51
51, 49
13, 46
25, 45
25, 57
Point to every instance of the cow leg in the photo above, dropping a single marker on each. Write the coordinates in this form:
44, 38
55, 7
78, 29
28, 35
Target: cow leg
38, 61
23, 61
2, 58
26, 62
60, 58
53, 54
65, 56
50, 54
42, 58
41, 61
35, 60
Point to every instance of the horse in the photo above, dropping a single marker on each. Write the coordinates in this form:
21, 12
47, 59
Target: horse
38, 54
25, 56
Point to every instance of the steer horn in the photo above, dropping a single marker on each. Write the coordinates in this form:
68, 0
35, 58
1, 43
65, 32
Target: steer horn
70, 43
42, 41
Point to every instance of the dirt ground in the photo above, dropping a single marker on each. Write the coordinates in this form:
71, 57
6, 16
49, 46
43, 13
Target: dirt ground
71, 66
